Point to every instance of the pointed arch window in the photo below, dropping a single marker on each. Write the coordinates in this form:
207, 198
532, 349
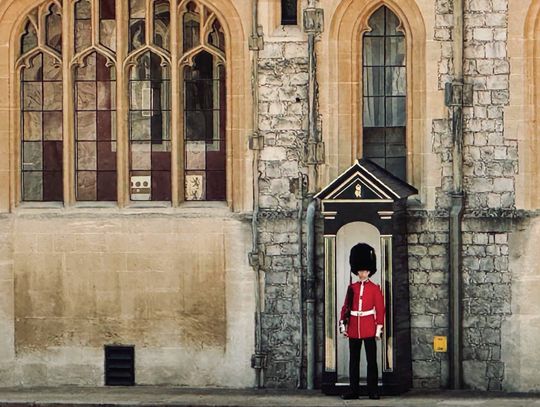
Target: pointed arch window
123, 107
40, 74
203, 104
385, 93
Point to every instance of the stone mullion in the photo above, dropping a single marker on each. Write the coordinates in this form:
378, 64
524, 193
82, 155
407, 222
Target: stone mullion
122, 97
68, 107
176, 143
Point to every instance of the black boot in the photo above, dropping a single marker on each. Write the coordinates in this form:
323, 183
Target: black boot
374, 396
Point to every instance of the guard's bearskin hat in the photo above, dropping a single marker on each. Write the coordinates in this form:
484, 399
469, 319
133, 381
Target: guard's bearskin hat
363, 257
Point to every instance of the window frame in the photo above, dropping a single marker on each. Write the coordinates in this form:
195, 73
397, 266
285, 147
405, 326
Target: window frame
122, 59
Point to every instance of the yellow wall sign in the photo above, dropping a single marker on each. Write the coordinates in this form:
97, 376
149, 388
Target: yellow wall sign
439, 344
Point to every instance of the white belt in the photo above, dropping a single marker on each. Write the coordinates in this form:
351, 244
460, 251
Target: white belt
363, 313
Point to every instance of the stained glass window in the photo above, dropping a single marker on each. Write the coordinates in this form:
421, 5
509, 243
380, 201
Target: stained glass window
149, 129
204, 132
204, 110
145, 131
385, 93
95, 135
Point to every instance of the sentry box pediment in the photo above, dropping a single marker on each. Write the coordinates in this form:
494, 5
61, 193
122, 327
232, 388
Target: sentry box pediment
365, 180
365, 184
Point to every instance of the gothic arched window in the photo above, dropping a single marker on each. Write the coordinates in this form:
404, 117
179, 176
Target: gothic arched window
385, 93
147, 106
41, 93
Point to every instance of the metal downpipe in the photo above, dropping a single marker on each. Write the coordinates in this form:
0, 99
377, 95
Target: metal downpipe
255, 257
312, 147
456, 210
310, 294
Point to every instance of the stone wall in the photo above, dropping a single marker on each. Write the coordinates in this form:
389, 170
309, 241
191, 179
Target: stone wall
283, 80
177, 287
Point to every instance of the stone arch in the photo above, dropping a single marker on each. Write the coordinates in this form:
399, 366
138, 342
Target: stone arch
526, 100
348, 23
239, 123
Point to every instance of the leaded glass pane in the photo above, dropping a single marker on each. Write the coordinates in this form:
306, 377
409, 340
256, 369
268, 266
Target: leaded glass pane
107, 33
376, 22
86, 95
396, 81
34, 72
29, 38
395, 51
33, 95
83, 34
373, 81
191, 31
392, 24
216, 37
137, 8
395, 111
32, 156
52, 68
52, 96
32, 186
86, 125
107, 23
83, 10
107, 9
86, 156
32, 126
87, 70
52, 126
374, 112
54, 28
86, 185
374, 51
162, 22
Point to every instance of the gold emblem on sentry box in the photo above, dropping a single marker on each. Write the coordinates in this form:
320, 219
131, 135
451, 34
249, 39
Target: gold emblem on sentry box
358, 191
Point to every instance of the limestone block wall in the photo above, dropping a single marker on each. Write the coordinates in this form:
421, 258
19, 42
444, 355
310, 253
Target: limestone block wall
519, 334
283, 81
428, 279
177, 287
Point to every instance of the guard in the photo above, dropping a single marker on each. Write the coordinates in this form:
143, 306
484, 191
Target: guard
362, 319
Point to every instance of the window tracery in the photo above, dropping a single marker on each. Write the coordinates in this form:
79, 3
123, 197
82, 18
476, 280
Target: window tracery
147, 74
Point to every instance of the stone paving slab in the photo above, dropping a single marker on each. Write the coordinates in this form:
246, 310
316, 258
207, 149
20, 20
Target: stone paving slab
180, 396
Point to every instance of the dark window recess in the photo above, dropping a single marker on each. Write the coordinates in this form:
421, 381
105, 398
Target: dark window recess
119, 365
385, 93
289, 12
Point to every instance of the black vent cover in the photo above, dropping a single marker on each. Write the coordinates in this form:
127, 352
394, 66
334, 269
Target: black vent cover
119, 365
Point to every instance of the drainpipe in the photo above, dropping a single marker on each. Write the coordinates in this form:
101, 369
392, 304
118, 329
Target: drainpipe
310, 294
258, 359
300, 281
456, 93
313, 19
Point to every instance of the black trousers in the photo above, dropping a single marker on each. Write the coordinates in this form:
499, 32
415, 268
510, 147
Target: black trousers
355, 346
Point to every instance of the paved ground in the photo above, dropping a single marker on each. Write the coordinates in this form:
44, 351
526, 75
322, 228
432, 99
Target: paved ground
179, 396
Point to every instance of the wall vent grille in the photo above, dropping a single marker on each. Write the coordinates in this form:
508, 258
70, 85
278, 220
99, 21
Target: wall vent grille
119, 365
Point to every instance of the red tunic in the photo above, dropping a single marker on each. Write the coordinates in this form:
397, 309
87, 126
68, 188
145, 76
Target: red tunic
372, 299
